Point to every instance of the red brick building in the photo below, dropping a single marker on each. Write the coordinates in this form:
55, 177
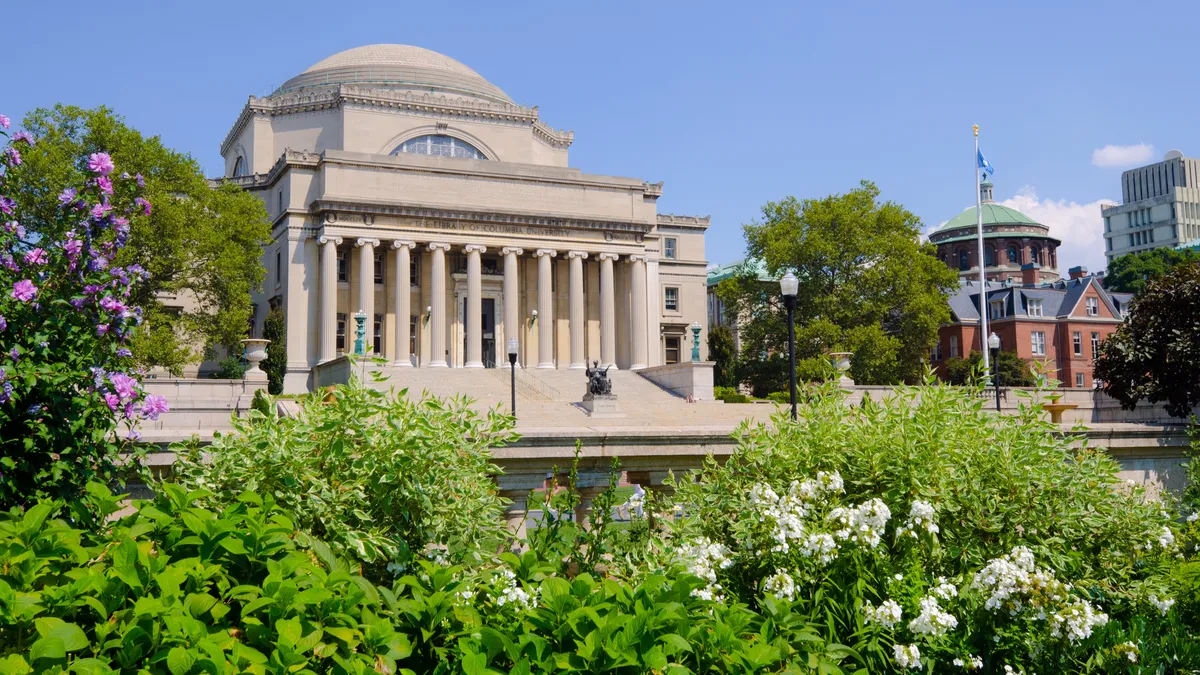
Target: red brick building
1062, 321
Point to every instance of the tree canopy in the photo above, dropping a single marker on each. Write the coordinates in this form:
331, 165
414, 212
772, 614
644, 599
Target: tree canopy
1155, 353
1131, 272
867, 285
198, 243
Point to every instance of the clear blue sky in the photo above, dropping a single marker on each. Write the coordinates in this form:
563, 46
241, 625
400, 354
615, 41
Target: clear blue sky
732, 104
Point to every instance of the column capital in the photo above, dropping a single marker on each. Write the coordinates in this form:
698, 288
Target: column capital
546, 251
329, 238
401, 243
636, 258
571, 255
435, 245
608, 256
512, 249
363, 241
474, 248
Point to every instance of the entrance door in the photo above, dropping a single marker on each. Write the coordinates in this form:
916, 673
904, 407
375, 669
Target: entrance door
488, 325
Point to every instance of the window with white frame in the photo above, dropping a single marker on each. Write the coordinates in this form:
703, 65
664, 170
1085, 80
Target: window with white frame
379, 266
935, 352
1093, 306
341, 332
1095, 345
1035, 306
671, 350
953, 346
1079, 380
439, 145
414, 270
1038, 339
671, 299
343, 265
377, 345
997, 309
669, 246
1077, 343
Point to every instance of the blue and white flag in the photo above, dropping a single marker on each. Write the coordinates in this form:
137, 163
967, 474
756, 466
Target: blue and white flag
985, 165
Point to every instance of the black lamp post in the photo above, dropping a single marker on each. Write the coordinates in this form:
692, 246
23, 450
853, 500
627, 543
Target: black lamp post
994, 348
512, 367
789, 285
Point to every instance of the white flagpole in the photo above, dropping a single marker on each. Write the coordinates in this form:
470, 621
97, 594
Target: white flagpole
983, 317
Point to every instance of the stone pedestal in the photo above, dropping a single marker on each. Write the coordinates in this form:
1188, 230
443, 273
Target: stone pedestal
601, 405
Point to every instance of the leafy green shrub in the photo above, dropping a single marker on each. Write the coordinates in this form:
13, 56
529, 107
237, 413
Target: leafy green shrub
275, 365
729, 395
780, 397
376, 475
232, 367
1013, 370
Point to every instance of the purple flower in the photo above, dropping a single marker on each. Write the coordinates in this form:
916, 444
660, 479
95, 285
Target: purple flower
77, 303
91, 289
98, 263
144, 204
36, 257
154, 405
110, 304
124, 385
72, 246
3, 326
24, 290
140, 181
7, 261
14, 155
7, 205
98, 376
6, 392
101, 328
34, 409
4, 122
134, 435
105, 184
66, 196
101, 210
123, 351
100, 162
113, 401
23, 136
15, 354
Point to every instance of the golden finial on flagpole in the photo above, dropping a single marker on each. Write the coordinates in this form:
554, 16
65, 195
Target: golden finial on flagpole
975, 127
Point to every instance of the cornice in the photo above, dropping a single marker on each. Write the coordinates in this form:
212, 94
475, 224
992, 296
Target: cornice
672, 220
321, 209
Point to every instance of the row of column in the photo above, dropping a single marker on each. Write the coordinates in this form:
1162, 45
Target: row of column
474, 309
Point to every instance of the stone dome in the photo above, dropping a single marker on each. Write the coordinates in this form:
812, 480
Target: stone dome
399, 67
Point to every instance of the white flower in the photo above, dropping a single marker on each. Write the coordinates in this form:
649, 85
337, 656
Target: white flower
1163, 605
932, 620
786, 513
1076, 620
887, 614
907, 656
898, 577
703, 558
862, 524
1194, 517
514, 594
780, 585
921, 517
820, 546
972, 663
1166, 538
1129, 649
944, 589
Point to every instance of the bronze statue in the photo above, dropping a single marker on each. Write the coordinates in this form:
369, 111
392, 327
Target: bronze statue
598, 382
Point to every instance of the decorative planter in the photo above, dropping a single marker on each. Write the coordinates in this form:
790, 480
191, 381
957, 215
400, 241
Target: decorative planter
841, 361
256, 353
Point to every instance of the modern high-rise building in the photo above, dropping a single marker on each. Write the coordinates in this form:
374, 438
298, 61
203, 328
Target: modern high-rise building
1160, 207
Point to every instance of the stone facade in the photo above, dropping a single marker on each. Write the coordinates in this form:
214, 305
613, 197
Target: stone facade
1160, 208
404, 186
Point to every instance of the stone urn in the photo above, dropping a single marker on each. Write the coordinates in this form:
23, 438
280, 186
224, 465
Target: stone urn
841, 362
256, 353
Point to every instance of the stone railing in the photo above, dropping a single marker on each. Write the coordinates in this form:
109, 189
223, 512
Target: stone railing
198, 407
690, 378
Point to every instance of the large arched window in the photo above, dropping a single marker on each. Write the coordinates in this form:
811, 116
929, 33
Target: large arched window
1013, 255
440, 146
963, 262
1035, 254
239, 167
989, 256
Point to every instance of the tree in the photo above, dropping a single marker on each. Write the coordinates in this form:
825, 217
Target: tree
867, 285
198, 243
1131, 272
723, 356
1012, 370
1155, 353
275, 365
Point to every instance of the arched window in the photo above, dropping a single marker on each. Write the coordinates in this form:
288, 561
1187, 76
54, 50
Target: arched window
963, 262
989, 256
1013, 255
1035, 254
239, 166
440, 146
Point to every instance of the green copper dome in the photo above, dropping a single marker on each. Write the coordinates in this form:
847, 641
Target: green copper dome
993, 214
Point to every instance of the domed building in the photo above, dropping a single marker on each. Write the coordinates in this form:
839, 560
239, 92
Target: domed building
410, 193
1011, 241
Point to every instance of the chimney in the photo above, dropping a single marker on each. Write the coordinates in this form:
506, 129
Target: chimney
1077, 272
1029, 274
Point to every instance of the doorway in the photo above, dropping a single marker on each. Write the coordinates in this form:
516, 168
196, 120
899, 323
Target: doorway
488, 325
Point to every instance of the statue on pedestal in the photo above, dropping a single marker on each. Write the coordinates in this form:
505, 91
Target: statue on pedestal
598, 382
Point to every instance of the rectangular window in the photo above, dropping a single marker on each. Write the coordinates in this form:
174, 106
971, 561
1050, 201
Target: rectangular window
278, 266
953, 346
1132, 241
671, 299
1079, 380
1077, 343
343, 265
281, 201
997, 311
672, 350
1035, 306
377, 345
669, 245
1093, 306
1039, 343
412, 335
414, 270
379, 267
1095, 345
935, 352
341, 332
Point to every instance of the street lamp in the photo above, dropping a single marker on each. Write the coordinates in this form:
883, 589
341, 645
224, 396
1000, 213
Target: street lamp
360, 332
512, 366
789, 285
994, 348
695, 341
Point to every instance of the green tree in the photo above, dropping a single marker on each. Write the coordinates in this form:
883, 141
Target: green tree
1131, 272
1012, 369
1155, 353
867, 285
275, 365
199, 243
723, 356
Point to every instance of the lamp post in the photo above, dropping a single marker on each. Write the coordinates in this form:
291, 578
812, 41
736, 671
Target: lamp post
994, 348
695, 341
360, 332
512, 366
789, 285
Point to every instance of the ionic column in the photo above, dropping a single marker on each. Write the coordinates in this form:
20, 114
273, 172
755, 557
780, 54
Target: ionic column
638, 312
545, 317
402, 302
474, 308
578, 358
366, 285
328, 296
437, 304
512, 321
608, 312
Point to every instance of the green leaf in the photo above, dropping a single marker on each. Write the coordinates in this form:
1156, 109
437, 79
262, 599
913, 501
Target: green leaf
48, 648
199, 603
180, 660
125, 559
72, 636
677, 643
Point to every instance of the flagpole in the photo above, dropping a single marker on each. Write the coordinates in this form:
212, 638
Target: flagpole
983, 317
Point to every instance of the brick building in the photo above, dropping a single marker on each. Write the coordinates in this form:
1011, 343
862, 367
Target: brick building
1062, 321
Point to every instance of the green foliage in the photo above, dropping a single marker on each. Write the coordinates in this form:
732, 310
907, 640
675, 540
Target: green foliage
1012, 369
232, 367
867, 285
730, 395
723, 356
1155, 353
275, 365
262, 403
1131, 272
375, 474
198, 242
780, 397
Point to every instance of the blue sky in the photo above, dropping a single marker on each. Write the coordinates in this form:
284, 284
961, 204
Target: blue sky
731, 104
